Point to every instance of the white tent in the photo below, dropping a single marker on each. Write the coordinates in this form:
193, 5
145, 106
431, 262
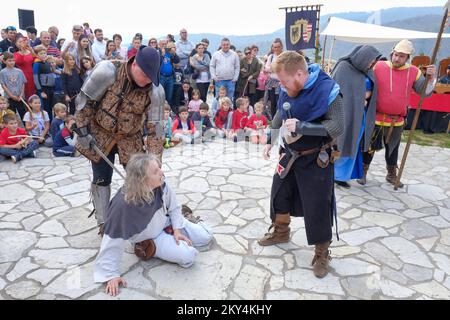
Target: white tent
352, 31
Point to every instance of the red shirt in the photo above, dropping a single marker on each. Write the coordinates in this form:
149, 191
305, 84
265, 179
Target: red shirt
5, 134
221, 118
254, 119
239, 120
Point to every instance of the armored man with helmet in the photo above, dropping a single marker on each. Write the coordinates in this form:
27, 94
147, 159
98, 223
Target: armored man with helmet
112, 107
310, 107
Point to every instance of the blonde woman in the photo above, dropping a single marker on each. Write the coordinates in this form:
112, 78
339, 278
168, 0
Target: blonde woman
144, 209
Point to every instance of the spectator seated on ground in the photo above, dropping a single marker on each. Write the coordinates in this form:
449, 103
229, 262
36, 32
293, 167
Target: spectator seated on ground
183, 96
37, 122
4, 111
239, 120
215, 104
223, 117
65, 139
257, 124
57, 123
170, 141
194, 104
16, 147
183, 127
203, 123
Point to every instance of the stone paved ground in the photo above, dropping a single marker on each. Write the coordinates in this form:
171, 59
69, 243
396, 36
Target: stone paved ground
394, 245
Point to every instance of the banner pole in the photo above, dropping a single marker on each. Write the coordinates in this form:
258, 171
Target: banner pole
317, 33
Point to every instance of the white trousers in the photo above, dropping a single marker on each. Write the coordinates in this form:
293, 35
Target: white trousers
182, 254
187, 138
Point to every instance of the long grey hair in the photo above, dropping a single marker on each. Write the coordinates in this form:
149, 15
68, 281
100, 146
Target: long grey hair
136, 189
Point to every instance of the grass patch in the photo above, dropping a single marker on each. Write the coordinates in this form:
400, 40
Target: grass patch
434, 140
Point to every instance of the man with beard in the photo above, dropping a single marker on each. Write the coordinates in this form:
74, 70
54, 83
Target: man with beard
310, 104
395, 80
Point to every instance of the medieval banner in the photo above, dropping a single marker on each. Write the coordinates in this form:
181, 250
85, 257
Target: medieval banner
301, 29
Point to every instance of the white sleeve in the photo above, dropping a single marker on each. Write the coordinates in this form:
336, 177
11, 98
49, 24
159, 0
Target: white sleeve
26, 117
212, 67
95, 53
107, 263
173, 208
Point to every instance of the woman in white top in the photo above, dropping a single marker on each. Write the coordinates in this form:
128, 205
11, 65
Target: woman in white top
144, 209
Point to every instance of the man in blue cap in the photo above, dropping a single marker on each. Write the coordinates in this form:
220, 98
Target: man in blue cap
120, 97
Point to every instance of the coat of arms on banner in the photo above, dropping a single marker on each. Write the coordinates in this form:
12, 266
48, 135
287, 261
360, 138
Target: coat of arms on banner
300, 29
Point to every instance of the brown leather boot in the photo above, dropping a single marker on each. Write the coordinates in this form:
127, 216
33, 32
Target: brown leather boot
363, 180
281, 231
392, 176
321, 259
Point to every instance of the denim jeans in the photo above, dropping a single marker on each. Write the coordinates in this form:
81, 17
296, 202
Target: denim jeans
67, 151
229, 86
167, 83
20, 153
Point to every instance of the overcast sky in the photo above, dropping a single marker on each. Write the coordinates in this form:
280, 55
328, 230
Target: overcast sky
157, 18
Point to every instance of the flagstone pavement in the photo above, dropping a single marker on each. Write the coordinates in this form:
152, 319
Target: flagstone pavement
393, 244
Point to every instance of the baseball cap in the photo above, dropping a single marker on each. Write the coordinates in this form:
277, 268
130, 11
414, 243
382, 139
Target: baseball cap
148, 59
11, 28
404, 46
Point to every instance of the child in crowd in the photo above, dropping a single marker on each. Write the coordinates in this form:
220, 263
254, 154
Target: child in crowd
215, 104
194, 104
223, 117
44, 79
239, 120
57, 123
13, 83
65, 140
202, 120
71, 81
257, 125
250, 108
182, 96
87, 31
183, 128
37, 123
86, 67
4, 111
167, 125
19, 147
136, 44
58, 95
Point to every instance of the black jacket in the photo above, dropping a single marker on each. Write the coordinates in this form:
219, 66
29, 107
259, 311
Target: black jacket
71, 85
206, 121
179, 97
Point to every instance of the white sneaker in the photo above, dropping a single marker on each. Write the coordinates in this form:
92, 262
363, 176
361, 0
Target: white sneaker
34, 154
13, 159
